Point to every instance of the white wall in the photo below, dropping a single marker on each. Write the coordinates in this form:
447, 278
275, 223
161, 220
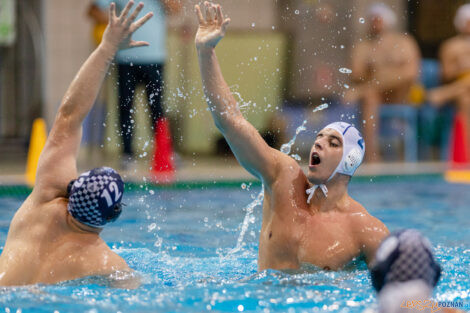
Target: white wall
68, 43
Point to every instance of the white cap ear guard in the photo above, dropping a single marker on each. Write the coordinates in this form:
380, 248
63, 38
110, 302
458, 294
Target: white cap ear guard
353, 148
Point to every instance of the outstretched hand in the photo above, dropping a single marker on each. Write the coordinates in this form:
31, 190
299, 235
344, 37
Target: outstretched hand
120, 28
211, 28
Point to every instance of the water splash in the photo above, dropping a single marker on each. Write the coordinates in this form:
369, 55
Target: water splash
249, 218
285, 148
296, 157
242, 104
320, 107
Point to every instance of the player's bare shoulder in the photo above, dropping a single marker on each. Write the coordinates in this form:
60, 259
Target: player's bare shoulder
288, 169
361, 221
100, 260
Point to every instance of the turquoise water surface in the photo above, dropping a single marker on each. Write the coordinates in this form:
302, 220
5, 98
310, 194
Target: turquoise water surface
181, 241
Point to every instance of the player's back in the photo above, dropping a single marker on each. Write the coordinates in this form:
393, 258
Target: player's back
41, 247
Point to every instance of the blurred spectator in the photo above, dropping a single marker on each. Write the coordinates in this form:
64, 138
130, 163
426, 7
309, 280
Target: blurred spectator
93, 130
144, 65
404, 274
100, 17
455, 59
385, 68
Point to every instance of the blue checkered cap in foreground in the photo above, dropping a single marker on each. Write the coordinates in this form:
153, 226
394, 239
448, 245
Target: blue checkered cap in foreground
95, 197
404, 256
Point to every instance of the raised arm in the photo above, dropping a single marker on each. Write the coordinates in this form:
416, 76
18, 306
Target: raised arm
57, 163
246, 143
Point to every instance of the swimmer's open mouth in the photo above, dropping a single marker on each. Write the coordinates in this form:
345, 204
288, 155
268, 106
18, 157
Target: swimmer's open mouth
315, 159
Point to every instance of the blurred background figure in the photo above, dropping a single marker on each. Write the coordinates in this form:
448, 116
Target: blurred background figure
455, 59
144, 65
385, 70
284, 65
93, 125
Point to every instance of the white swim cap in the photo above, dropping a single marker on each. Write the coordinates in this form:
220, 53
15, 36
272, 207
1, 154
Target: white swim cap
462, 17
353, 148
382, 10
353, 153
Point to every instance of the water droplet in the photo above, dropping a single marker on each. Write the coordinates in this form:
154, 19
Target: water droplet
243, 186
296, 12
345, 70
296, 157
285, 148
362, 20
346, 86
253, 24
320, 107
158, 243
152, 227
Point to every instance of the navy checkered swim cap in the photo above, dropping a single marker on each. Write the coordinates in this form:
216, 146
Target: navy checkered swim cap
95, 197
403, 256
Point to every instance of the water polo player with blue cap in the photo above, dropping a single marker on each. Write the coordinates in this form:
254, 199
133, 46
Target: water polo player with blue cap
95, 197
55, 234
307, 217
405, 269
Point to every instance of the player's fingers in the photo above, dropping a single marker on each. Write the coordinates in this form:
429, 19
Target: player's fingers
225, 24
135, 13
112, 12
126, 10
141, 21
220, 16
200, 17
138, 43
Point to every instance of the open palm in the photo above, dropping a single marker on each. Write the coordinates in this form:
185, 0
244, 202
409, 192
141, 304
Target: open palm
212, 27
120, 28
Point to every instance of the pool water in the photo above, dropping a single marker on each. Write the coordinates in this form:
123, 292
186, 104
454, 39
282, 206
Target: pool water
182, 243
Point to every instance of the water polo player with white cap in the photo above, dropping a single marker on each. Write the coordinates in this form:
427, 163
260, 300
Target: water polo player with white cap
54, 235
352, 154
324, 227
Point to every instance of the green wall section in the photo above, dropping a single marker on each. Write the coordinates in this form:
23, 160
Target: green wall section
253, 67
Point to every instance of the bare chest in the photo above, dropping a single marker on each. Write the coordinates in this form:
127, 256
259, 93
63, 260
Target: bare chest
388, 52
324, 240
